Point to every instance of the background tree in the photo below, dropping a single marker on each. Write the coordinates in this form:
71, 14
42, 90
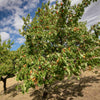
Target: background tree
57, 44
7, 62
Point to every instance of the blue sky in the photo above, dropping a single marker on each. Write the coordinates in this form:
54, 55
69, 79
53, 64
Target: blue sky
12, 11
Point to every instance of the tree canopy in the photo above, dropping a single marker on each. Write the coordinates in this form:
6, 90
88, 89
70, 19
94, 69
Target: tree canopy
7, 61
57, 44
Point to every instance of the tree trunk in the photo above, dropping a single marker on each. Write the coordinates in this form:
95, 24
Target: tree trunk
45, 92
4, 80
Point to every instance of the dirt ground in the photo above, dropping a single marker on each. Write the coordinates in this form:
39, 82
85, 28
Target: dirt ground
87, 88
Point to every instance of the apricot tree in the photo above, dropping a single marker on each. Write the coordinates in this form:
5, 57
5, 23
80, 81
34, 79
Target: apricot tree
57, 44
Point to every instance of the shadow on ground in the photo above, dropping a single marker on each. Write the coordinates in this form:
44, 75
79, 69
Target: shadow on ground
12, 90
61, 90
67, 89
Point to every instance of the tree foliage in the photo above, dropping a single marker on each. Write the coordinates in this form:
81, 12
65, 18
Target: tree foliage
57, 44
6, 64
7, 61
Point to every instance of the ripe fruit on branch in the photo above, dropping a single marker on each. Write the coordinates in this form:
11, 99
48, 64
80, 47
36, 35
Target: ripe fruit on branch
47, 27
70, 20
41, 20
61, 3
78, 29
62, 10
24, 55
80, 45
24, 65
78, 49
75, 28
70, 15
35, 82
69, 48
63, 50
84, 57
39, 59
56, 12
83, 35
36, 26
49, 33
33, 79
39, 67
30, 71
57, 60
64, 68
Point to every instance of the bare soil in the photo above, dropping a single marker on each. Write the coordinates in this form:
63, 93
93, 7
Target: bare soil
87, 88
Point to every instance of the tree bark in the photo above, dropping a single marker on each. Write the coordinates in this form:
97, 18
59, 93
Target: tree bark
45, 89
45, 92
4, 80
5, 84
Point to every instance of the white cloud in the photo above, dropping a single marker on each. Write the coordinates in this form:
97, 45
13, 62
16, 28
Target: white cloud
51, 1
92, 13
18, 22
17, 11
11, 23
72, 1
20, 40
4, 36
7, 21
75, 2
